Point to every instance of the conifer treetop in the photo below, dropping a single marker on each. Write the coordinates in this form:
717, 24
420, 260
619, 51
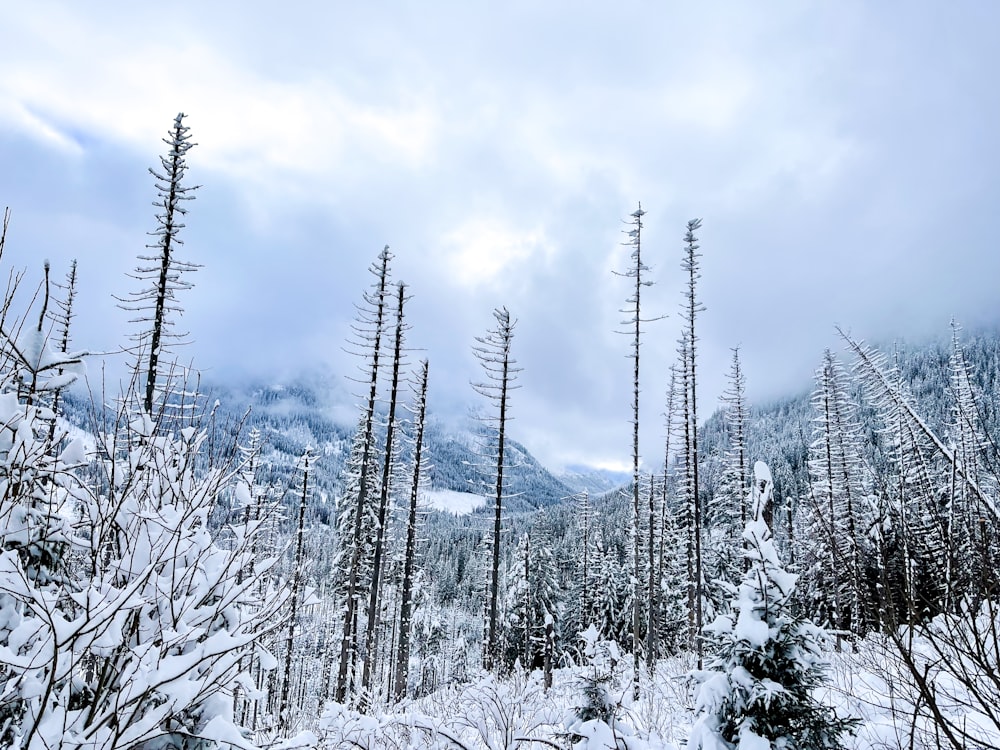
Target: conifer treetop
757, 692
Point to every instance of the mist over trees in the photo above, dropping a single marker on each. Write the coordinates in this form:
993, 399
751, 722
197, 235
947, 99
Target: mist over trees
177, 571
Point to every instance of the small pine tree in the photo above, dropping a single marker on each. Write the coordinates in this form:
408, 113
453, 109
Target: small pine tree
758, 690
597, 679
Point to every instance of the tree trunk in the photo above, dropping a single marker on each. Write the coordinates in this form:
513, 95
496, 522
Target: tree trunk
383, 504
405, 609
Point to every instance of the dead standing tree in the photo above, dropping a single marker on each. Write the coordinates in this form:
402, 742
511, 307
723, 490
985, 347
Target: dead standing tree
636, 273
368, 331
161, 273
406, 605
494, 353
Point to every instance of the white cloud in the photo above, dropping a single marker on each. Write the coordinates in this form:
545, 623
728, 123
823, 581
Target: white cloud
714, 97
500, 148
16, 115
248, 124
483, 249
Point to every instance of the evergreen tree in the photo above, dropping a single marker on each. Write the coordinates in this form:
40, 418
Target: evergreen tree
727, 508
915, 570
888, 394
673, 581
388, 458
766, 663
530, 604
636, 273
670, 579
594, 722
965, 535
295, 599
402, 667
612, 601
690, 308
833, 555
584, 520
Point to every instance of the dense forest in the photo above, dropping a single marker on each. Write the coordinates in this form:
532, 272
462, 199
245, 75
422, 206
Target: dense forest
187, 564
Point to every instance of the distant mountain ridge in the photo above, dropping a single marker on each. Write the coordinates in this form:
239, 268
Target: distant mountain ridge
319, 412
595, 481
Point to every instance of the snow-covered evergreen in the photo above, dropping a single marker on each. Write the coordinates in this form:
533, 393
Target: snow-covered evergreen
766, 663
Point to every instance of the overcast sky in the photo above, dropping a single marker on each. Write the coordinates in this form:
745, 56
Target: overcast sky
843, 157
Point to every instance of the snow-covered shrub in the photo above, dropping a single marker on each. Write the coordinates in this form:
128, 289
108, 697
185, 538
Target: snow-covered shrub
597, 679
340, 727
595, 720
938, 685
124, 621
663, 711
38, 492
757, 692
493, 713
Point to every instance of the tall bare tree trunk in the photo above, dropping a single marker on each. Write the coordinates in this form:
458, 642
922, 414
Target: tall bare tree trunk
692, 307
383, 503
493, 352
406, 606
348, 641
284, 707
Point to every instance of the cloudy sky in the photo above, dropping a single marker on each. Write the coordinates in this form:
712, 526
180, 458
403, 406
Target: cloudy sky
843, 157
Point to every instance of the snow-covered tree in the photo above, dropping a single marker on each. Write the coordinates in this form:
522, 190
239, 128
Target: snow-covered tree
928, 471
727, 508
295, 599
594, 721
530, 605
356, 507
402, 666
637, 274
966, 535
382, 509
834, 554
611, 602
690, 307
758, 689
500, 370
673, 582
160, 274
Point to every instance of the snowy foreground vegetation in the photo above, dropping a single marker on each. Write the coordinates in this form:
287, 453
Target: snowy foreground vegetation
181, 573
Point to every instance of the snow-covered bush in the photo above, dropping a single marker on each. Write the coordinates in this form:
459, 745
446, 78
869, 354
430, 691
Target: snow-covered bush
757, 692
124, 620
937, 685
38, 492
597, 679
595, 720
494, 713
143, 639
340, 727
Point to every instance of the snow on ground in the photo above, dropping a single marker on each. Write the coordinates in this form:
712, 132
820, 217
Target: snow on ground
459, 503
73, 432
517, 712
